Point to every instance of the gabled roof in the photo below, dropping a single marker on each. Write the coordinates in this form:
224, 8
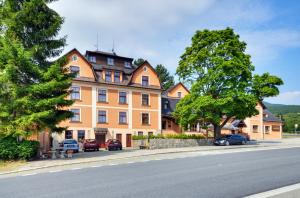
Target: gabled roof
270, 117
174, 86
85, 60
150, 66
108, 54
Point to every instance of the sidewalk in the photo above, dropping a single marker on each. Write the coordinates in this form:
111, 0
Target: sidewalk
129, 153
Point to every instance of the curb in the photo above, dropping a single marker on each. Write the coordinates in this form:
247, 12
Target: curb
120, 158
277, 192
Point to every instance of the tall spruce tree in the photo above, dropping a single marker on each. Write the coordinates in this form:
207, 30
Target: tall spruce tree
164, 76
33, 90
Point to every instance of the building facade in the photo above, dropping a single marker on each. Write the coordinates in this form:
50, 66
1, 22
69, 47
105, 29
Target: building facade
112, 98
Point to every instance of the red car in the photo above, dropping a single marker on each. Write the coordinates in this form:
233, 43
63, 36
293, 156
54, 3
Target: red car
90, 144
113, 144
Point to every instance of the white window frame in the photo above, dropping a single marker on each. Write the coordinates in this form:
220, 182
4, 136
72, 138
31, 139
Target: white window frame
79, 92
127, 64
75, 108
119, 76
179, 92
106, 113
74, 57
142, 80
119, 97
142, 99
106, 99
92, 59
78, 71
110, 61
126, 117
149, 120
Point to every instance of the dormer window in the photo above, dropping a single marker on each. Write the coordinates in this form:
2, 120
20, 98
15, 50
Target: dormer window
117, 76
74, 57
166, 105
92, 59
75, 70
145, 81
110, 61
179, 94
108, 76
127, 64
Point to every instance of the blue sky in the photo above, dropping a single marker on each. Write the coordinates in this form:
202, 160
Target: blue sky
159, 31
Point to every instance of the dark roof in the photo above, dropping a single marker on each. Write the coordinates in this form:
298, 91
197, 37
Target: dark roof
113, 67
269, 117
110, 54
239, 123
171, 105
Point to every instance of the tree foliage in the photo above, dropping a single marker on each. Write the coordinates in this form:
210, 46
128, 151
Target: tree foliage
165, 78
33, 90
138, 62
223, 86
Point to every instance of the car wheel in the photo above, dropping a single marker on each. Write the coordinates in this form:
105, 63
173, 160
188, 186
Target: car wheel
243, 142
227, 143
120, 148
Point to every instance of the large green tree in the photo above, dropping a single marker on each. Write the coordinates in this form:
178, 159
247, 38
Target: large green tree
223, 84
33, 90
164, 76
138, 62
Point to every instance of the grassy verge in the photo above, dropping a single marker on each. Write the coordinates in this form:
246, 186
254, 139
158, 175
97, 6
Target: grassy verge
10, 165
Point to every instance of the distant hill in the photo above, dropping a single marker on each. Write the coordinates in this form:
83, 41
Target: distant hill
282, 109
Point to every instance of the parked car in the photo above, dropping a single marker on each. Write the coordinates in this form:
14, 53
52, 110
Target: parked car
230, 140
70, 144
246, 135
113, 144
90, 144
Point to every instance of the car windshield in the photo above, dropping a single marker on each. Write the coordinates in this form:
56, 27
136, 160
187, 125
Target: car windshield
70, 142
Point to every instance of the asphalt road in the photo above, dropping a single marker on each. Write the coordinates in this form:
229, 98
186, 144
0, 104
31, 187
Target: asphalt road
224, 175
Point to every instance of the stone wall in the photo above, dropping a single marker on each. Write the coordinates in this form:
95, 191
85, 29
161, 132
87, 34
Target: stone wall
170, 143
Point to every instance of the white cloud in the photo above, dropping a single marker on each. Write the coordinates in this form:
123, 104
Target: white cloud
291, 98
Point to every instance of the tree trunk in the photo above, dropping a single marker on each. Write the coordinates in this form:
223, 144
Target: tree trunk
217, 131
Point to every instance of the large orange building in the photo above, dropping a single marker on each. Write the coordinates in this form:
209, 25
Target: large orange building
113, 99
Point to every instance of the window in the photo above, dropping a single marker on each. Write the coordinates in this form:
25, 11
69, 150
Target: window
69, 134
145, 99
102, 117
275, 128
267, 129
76, 116
117, 76
74, 57
110, 61
145, 81
80, 135
150, 133
127, 64
102, 95
145, 118
179, 94
255, 128
122, 97
166, 104
75, 70
92, 59
75, 93
108, 76
140, 133
193, 127
122, 117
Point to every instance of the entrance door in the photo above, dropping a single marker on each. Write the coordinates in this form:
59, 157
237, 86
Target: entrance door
119, 137
100, 139
128, 140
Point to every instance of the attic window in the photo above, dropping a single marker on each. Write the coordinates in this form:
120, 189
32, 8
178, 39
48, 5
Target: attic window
145, 68
74, 57
127, 64
110, 61
75, 70
179, 94
92, 59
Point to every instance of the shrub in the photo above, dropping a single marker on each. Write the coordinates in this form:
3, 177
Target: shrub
168, 136
139, 137
10, 149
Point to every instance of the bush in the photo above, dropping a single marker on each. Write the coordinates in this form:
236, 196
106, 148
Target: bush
10, 149
168, 136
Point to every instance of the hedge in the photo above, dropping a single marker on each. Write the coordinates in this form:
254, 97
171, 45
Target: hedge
168, 136
10, 149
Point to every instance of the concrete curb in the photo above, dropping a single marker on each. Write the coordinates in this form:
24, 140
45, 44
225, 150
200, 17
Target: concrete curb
142, 155
278, 192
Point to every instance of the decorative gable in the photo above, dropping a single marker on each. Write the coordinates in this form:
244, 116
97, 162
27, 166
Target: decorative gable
177, 91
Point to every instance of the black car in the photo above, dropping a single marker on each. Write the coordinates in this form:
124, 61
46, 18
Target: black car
230, 140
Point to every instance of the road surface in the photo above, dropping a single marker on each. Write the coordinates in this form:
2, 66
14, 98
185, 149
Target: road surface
223, 175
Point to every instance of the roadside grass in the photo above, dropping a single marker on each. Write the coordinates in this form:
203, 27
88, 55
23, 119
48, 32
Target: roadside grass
11, 165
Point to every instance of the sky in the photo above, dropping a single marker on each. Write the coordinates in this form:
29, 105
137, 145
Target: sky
160, 30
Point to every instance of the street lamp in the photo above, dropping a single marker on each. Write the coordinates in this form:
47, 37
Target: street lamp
296, 126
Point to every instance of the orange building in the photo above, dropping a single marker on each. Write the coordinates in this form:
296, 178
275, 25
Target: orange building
113, 99
262, 126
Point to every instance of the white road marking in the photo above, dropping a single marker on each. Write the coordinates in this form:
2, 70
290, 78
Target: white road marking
76, 168
130, 162
29, 174
55, 171
96, 166
113, 164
